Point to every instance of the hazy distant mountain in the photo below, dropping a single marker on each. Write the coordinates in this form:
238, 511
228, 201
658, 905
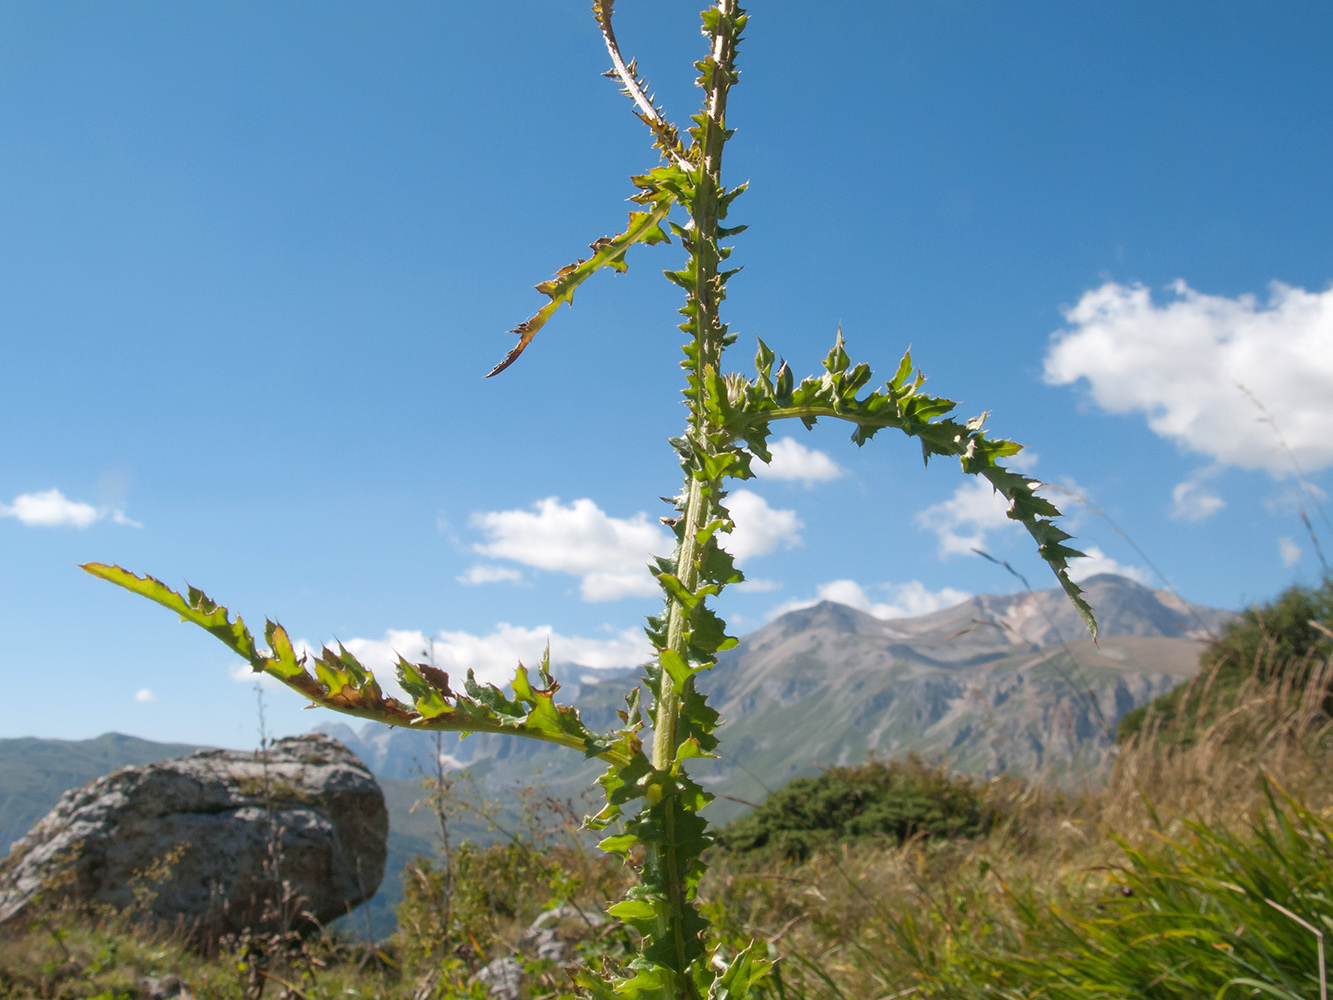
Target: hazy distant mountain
1009, 683
34, 773
996, 683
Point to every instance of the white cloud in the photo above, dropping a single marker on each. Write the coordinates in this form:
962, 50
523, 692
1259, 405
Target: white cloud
794, 461
755, 585
1025, 461
907, 600
760, 529
608, 554
493, 657
1096, 561
52, 509
1289, 551
1292, 498
962, 521
242, 673
482, 573
144, 695
1192, 500
1179, 364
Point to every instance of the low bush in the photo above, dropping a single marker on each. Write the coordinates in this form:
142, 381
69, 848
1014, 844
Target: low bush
1280, 640
876, 801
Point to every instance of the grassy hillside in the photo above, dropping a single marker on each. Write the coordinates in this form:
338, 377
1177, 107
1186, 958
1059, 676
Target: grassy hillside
34, 773
1283, 641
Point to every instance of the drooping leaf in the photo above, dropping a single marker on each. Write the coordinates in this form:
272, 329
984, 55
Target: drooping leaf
902, 404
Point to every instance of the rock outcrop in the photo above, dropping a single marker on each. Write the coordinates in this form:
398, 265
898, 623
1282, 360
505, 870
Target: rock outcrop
195, 841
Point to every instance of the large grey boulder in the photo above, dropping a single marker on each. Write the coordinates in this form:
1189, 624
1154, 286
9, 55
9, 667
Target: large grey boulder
196, 841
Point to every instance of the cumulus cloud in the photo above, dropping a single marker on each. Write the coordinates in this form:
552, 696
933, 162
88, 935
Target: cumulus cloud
482, 573
963, 521
1289, 551
1291, 499
906, 600
1179, 364
760, 529
757, 585
52, 509
144, 695
608, 554
492, 657
794, 461
1192, 500
1096, 561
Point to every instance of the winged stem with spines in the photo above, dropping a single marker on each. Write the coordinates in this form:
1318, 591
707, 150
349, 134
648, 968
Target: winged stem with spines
648, 790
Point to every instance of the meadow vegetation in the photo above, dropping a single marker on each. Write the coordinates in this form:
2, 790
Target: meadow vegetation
1196, 867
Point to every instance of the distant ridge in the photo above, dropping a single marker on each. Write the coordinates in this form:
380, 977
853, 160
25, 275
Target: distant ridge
34, 773
997, 682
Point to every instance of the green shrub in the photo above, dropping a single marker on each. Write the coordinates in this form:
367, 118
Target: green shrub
894, 801
1277, 640
1278, 632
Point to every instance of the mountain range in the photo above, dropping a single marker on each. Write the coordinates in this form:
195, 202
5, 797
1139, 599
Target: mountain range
997, 683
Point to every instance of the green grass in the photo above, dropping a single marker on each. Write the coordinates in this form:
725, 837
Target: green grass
1164, 882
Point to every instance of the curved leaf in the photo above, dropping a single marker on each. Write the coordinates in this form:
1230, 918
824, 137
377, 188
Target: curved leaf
341, 682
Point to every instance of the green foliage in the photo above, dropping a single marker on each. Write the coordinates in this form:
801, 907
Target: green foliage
498, 890
1278, 632
1207, 914
874, 801
70, 955
651, 802
1281, 639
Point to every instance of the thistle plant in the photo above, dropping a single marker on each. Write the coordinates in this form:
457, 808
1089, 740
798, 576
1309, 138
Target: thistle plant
651, 801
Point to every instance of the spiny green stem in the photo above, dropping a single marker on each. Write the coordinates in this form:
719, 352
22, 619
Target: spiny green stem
668, 702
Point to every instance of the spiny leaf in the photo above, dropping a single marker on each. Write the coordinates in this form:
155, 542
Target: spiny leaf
609, 251
674, 664
283, 663
738, 978
903, 405
343, 683
678, 591
429, 700
198, 608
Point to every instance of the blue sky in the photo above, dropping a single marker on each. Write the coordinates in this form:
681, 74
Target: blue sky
255, 258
